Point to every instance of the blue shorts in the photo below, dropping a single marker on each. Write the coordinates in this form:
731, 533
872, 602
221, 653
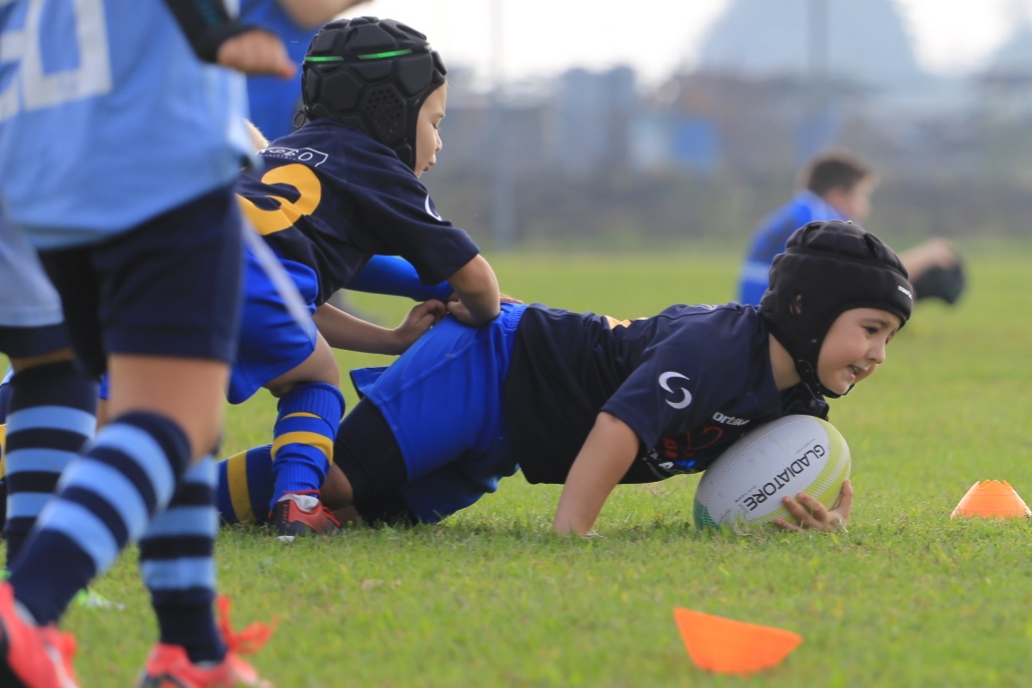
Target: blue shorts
271, 341
443, 400
169, 287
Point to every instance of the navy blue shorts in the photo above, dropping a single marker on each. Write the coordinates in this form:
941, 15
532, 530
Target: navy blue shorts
25, 342
169, 287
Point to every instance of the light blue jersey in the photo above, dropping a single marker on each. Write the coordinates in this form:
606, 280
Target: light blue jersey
144, 125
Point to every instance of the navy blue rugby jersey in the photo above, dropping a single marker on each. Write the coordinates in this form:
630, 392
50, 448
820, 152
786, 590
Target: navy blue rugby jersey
689, 382
330, 197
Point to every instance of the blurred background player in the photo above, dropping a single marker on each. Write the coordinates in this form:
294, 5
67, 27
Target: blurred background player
147, 267
329, 196
837, 185
589, 401
275, 102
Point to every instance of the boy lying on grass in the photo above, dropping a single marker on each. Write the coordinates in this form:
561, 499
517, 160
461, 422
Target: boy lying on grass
591, 402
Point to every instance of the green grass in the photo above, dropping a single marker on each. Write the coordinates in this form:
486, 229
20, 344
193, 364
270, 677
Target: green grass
906, 597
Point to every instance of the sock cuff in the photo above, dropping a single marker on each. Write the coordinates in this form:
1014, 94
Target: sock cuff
319, 398
61, 383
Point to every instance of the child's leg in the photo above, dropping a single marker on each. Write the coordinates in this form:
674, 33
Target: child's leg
303, 437
244, 486
107, 498
51, 418
296, 364
178, 567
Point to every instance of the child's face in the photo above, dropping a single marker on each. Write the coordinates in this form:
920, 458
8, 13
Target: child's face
428, 135
855, 346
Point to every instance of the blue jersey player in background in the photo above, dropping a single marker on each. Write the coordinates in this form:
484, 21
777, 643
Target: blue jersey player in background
590, 402
837, 185
146, 259
328, 197
274, 102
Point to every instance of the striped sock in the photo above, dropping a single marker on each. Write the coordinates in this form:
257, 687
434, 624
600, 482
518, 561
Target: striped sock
52, 415
244, 486
178, 566
302, 446
105, 499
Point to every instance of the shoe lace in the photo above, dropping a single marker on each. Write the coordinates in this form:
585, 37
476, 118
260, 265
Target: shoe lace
247, 641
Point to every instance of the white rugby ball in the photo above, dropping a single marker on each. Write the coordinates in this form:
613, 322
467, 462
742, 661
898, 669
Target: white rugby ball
787, 456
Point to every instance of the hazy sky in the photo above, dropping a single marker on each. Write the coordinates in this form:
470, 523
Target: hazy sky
544, 37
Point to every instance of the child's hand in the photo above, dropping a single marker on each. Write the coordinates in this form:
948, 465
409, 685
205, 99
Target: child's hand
256, 52
420, 319
811, 514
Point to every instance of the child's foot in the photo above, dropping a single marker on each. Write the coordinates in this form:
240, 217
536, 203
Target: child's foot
169, 665
32, 656
301, 513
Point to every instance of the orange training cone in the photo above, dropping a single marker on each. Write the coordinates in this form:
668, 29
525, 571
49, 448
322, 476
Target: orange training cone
992, 499
718, 644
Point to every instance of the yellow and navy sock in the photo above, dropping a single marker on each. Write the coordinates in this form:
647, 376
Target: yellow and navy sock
52, 415
244, 486
108, 497
302, 446
178, 566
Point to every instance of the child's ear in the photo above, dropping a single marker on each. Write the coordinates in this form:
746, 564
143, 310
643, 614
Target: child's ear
797, 305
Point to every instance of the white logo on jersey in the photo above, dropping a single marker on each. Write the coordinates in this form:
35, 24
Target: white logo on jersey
309, 156
430, 210
729, 420
687, 396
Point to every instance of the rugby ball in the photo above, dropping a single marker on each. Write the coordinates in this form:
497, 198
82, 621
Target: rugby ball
787, 456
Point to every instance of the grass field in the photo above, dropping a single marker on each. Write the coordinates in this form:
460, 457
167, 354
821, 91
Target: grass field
906, 597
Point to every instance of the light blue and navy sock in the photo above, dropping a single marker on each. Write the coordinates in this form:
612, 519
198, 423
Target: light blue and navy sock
52, 415
105, 499
302, 445
244, 486
178, 566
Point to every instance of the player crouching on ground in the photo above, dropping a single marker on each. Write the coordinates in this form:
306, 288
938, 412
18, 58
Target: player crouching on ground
591, 402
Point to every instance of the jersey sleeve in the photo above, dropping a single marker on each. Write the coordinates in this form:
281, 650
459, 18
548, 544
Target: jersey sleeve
395, 276
397, 217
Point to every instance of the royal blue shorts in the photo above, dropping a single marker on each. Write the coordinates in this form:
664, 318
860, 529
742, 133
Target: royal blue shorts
271, 342
443, 400
169, 287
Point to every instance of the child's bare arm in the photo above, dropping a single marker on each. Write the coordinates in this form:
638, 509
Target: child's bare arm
256, 52
220, 39
476, 286
345, 331
601, 463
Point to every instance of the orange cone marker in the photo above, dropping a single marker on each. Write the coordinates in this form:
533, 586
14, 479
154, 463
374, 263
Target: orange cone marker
992, 499
718, 644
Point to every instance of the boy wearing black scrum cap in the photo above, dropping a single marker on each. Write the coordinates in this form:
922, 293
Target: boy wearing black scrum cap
592, 402
343, 188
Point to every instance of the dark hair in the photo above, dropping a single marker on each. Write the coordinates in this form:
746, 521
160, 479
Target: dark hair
835, 170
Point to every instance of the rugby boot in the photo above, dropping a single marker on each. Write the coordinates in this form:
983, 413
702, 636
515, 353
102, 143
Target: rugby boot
301, 513
32, 656
169, 666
